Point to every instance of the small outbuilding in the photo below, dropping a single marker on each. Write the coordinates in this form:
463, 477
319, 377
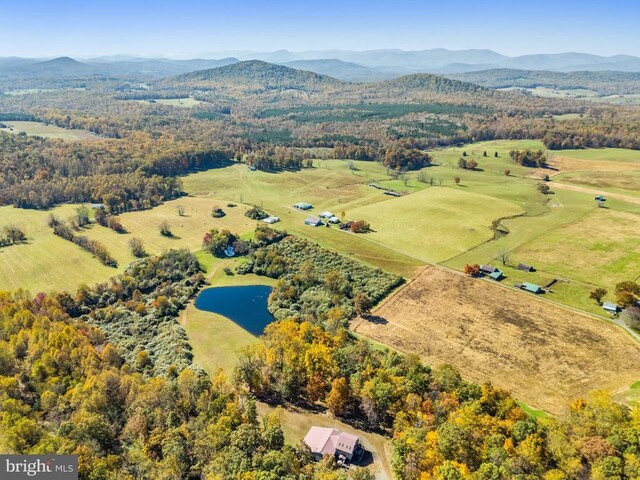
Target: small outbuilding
526, 268
271, 220
313, 222
375, 185
334, 220
302, 206
496, 275
487, 269
531, 287
393, 193
610, 307
97, 206
326, 215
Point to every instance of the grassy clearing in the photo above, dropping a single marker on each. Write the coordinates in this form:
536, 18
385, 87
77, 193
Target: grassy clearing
296, 423
544, 354
48, 263
627, 183
47, 131
174, 102
436, 224
601, 248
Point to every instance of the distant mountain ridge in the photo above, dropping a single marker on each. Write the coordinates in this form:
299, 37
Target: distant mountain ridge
441, 60
258, 72
604, 83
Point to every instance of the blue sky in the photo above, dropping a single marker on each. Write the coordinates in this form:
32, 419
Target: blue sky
193, 27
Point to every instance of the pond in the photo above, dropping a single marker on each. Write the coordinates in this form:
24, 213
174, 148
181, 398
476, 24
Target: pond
244, 305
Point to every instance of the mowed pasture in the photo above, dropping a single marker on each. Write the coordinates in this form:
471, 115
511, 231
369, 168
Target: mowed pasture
602, 248
435, 224
48, 131
544, 354
49, 263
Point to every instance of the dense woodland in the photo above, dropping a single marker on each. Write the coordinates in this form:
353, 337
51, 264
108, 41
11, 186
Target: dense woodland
268, 116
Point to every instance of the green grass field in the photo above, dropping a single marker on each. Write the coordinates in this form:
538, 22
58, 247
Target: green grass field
47, 131
49, 263
436, 222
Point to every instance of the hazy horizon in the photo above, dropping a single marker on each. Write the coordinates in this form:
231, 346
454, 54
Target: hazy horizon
198, 28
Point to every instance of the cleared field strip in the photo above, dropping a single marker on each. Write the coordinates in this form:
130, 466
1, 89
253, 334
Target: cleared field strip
546, 355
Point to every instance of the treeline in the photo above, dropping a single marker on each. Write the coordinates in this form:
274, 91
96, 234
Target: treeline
398, 156
97, 249
65, 389
12, 235
274, 158
313, 280
137, 172
529, 158
137, 310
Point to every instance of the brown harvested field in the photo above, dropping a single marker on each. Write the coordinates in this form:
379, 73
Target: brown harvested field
544, 354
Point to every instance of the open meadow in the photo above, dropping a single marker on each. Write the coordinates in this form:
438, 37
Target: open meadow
544, 354
49, 263
437, 221
48, 131
187, 102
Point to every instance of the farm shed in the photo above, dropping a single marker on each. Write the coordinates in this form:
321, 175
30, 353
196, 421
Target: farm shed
531, 287
392, 193
326, 215
271, 220
334, 220
610, 307
329, 441
97, 206
375, 185
303, 206
487, 269
496, 274
525, 267
313, 221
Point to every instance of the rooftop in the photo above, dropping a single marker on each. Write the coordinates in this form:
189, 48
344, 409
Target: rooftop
322, 440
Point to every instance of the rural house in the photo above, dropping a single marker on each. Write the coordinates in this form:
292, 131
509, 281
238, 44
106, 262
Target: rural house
303, 206
487, 269
329, 441
610, 307
313, 222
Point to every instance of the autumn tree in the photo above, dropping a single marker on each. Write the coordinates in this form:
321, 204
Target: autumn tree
598, 294
165, 229
136, 246
362, 305
472, 270
339, 397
